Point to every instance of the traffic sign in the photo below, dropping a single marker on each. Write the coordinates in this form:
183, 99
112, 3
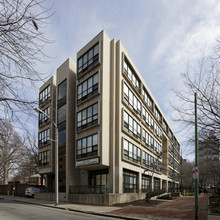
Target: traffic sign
195, 173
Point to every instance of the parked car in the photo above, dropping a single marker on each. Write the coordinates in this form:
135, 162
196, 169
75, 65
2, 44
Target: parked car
30, 192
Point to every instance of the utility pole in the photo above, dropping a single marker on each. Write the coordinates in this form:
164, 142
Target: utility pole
196, 163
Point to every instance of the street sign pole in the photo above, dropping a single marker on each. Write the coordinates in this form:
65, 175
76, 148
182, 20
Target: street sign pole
196, 163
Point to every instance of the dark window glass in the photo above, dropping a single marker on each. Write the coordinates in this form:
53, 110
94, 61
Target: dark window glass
62, 138
44, 95
132, 76
44, 116
132, 152
87, 117
44, 137
132, 126
61, 114
87, 88
88, 59
130, 181
62, 88
44, 158
87, 146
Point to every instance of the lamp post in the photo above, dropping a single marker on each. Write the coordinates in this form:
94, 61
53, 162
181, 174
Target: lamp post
56, 156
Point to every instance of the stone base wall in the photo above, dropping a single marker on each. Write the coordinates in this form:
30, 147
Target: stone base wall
93, 199
51, 197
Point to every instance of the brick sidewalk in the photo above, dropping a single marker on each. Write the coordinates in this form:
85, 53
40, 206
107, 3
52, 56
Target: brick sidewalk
181, 208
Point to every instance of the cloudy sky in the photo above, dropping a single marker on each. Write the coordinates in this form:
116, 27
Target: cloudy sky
161, 36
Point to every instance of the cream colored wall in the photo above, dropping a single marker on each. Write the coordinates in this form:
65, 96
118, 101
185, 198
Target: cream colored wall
105, 100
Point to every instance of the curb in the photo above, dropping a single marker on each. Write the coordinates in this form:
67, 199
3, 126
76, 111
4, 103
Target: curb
75, 210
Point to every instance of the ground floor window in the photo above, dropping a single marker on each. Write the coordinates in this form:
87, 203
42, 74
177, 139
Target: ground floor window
146, 183
99, 180
156, 184
130, 181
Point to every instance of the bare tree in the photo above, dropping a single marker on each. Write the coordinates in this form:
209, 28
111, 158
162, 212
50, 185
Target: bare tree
206, 83
11, 148
186, 178
22, 39
29, 165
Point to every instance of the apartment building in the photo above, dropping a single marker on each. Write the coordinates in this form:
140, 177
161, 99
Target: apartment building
114, 141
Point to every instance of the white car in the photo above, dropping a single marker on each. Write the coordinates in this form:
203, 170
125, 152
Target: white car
29, 192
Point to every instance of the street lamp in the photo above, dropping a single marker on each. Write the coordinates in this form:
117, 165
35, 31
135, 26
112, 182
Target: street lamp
56, 155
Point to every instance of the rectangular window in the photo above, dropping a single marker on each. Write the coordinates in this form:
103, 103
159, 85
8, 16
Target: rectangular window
158, 131
44, 116
148, 118
146, 183
44, 137
87, 117
44, 95
132, 76
44, 158
130, 181
88, 59
132, 100
146, 159
158, 148
132, 125
132, 152
87, 88
86, 147
148, 99
156, 184
165, 126
62, 89
158, 115
61, 114
146, 138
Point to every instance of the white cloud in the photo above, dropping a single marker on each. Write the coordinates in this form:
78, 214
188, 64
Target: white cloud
160, 36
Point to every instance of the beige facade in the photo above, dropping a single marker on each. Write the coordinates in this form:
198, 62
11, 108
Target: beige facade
117, 138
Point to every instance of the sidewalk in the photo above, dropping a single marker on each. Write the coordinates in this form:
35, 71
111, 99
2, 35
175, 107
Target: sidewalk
181, 208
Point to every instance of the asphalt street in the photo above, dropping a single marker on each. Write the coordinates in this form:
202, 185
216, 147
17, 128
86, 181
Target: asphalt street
11, 210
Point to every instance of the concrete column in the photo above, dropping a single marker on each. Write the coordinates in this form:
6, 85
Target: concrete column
152, 183
161, 181
140, 183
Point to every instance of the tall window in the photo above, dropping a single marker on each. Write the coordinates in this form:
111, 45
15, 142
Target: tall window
88, 87
158, 148
148, 139
87, 146
88, 59
165, 126
44, 116
158, 115
132, 76
61, 114
148, 118
146, 183
148, 160
132, 125
132, 152
130, 181
44, 158
158, 130
132, 99
158, 165
156, 184
148, 99
45, 94
87, 117
62, 88
44, 137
